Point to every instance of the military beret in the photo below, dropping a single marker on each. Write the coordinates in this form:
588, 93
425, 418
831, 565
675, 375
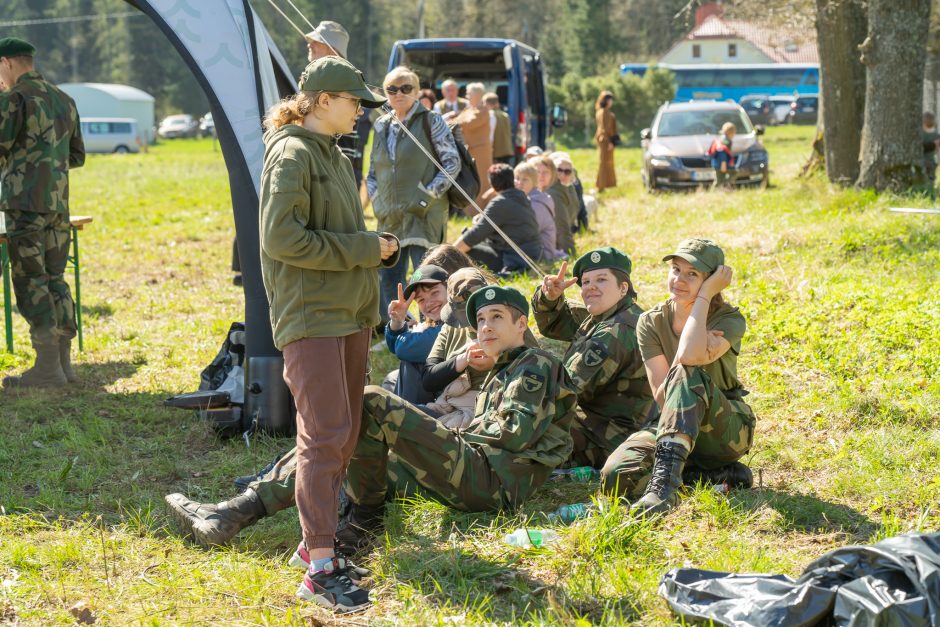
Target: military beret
15, 47
428, 274
606, 257
495, 295
704, 254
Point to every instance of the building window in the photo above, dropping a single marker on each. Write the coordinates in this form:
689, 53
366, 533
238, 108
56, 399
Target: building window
696, 51
732, 50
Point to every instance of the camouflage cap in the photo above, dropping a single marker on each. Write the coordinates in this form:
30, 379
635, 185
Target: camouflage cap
425, 275
703, 254
332, 74
16, 47
495, 295
460, 285
606, 257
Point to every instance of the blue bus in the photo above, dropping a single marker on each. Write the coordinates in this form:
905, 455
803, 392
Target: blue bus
511, 69
733, 81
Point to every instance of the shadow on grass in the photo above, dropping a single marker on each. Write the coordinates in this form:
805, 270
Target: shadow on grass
100, 310
806, 513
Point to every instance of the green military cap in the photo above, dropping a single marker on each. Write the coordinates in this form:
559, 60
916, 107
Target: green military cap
15, 47
460, 286
333, 74
495, 295
606, 257
425, 275
703, 254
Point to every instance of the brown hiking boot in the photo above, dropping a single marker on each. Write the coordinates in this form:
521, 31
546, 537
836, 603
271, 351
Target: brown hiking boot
213, 525
65, 359
47, 371
662, 493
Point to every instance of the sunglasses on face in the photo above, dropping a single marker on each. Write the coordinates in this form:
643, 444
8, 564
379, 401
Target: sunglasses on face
565, 170
391, 90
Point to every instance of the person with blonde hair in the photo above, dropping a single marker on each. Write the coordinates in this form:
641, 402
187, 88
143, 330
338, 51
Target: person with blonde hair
722, 156
606, 138
409, 194
527, 180
475, 123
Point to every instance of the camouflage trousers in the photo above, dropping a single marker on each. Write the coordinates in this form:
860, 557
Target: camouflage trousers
721, 430
39, 247
276, 487
405, 450
594, 443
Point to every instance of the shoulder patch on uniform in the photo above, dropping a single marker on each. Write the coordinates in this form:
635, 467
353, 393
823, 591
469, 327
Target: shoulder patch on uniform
595, 355
533, 382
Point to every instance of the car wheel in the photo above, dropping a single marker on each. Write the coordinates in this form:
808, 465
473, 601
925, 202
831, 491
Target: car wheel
649, 183
122, 150
764, 182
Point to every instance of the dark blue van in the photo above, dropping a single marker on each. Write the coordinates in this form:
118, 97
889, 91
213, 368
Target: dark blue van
511, 69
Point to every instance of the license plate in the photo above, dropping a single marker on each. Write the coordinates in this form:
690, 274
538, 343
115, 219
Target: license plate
703, 175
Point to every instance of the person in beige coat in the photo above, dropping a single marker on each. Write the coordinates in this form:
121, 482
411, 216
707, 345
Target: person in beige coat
475, 124
503, 150
606, 138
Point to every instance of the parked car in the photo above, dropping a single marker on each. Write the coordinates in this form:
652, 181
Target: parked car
675, 147
110, 135
179, 125
782, 106
759, 108
206, 126
804, 110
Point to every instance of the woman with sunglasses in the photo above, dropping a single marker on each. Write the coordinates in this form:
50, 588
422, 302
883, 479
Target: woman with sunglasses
408, 193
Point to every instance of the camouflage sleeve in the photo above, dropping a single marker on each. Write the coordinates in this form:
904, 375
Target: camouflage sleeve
76, 143
558, 319
526, 409
603, 357
12, 115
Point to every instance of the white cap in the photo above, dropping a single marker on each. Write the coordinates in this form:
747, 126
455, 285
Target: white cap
561, 157
332, 34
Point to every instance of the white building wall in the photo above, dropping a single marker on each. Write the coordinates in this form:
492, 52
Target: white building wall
715, 51
95, 103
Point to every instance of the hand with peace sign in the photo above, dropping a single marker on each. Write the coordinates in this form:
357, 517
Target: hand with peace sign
554, 286
398, 309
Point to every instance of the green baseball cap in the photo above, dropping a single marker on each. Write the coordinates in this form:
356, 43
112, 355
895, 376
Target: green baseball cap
460, 286
495, 295
333, 75
703, 254
425, 275
16, 47
606, 257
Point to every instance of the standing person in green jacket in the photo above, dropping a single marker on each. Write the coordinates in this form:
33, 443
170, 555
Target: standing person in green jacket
320, 269
40, 141
603, 360
519, 433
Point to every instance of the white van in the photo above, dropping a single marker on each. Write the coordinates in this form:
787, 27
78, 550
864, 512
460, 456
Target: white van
110, 135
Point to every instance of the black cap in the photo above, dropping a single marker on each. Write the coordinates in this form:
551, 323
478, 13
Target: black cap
425, 275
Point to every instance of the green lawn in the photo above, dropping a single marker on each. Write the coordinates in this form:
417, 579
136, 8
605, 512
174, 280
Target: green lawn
841, 358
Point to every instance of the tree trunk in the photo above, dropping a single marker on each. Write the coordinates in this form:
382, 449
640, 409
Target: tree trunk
841, 26
894, 53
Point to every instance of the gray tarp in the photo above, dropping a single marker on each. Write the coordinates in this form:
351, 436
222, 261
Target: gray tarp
895, 582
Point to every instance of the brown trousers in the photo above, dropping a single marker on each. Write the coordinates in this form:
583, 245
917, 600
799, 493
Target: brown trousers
326, 376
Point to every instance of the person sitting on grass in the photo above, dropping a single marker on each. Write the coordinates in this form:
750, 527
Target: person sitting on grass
519, 434
690, 346
722, 157
527, 179
603, 358
511, 211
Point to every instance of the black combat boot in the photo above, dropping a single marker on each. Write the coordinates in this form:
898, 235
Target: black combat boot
662, 493
736, 475
210, 525
356, 529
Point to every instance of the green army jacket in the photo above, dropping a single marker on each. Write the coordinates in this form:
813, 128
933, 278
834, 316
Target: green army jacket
603, 360
40, 139
523, 420
318, 261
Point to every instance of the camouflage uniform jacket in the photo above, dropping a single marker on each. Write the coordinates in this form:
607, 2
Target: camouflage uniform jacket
523, 416
603, 360
40, 139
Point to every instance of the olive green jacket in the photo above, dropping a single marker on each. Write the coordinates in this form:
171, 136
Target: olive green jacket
318, 261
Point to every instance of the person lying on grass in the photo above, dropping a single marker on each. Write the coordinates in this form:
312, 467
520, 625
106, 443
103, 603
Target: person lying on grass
603, 358
519, 434
690, 346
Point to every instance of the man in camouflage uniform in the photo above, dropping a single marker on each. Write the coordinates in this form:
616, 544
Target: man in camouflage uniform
40, 140
603, 360
519, 434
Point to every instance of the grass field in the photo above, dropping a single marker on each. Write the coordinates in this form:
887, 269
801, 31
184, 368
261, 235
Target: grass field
841, 357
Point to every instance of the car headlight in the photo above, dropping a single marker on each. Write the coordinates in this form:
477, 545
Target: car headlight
660, 162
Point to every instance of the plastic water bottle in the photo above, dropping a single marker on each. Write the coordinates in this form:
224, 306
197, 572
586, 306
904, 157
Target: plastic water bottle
567, 514
722, 488
526, 538
580, 474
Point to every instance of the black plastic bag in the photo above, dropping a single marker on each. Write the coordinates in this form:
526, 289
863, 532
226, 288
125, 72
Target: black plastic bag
893, 583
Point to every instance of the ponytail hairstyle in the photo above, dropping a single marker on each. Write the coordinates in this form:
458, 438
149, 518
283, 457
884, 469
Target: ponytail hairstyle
291, 110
